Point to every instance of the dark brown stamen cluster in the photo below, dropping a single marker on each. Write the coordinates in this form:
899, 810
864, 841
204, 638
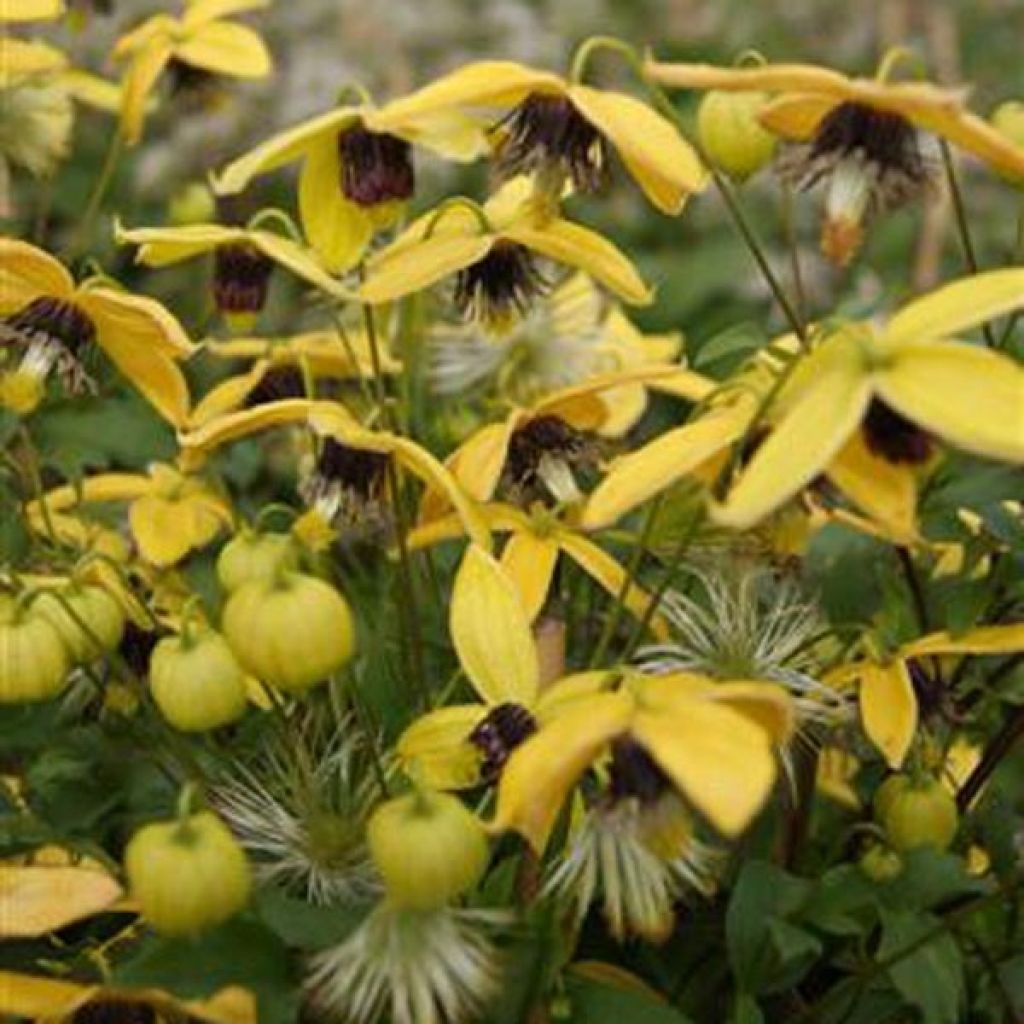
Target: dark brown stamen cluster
277, 383
505, 728
355, 469
348, 486
375, 167
893, 437
547, 134
634, 773
499, 286
544, 435
241, 276
108, 1011
929, 690
56, 332
136, 646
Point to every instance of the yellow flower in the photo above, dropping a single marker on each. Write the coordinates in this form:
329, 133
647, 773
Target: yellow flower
492, 251
900, 381
462, 745
21, 60
536, 539
201, 38
170, 513
862, 133
53, 323
357, 171
285, 368
713, 742
243, 260
563, 129
889, 705
30, 10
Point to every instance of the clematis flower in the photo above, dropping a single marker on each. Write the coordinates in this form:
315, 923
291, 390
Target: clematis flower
901, 383
491, 251
202, 38
52, 324
357, 171
463, 745
286, 368
537, 538
891, 691
30, 10
871, 139
570, 335
712, 743
170, 513
243, 260
563, 130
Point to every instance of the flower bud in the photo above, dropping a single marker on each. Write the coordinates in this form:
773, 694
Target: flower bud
731, 134
916, 813
1008, 120
428, 848
191, 204
89, 619
34, 661
250, 555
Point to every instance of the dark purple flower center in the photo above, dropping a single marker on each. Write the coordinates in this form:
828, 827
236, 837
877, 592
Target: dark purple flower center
504, 728
375, 167
241, 276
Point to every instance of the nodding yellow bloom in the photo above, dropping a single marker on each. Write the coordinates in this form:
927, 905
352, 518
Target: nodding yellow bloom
202, 38
712, 742
571, 334
287, 368
30, 10
530, 455
243, 259
357, 171
492, 251
900, 383
893, 692
536, 539
463, 745
563, 130
349, 475
170, 513
870, 138
52, 323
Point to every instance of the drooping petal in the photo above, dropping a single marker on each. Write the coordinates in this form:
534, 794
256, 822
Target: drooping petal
957, 307
821, 416
633, 479
767, 77
147, 64
530, 560
198, 12
92, 90
30, 10
39, 900
453, 134
160, 247
539, 775
969, 396
478, 463
435, 750
226, 48
161, 528
144, 320
664, 165
721, 761
283, 148
796, 118
491, 632
888, 709
576, 246
20, 59
1007, 639
227, 395
299, 261
240, 424
337, 228
99, 488
567, 692
768, 705
600, 566
886, 491
27, 272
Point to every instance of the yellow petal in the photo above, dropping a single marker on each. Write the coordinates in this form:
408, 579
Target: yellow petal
146, 66
337, 228
145, 321
450, 133
283, 148
836, 771
478, 462
399, 271
766, 704
226, 48
957, 307
684, 384
969, 396
888, 709
240, 424
27, 272
821, 416
20, 59
633, 479
197, 12
540, 773
299, 261
160, 247
567, 692
435, 750
885, 490
162, 529
100, 488
491, 632
92, 90
481, 84
720, 760
530, 561
576, 246
983, 640
662, 162
30, 10
600, 566
37, 998
766, 77
37, 900
227, 395
798, 117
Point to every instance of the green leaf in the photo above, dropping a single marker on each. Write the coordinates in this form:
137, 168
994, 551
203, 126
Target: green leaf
930, 978
304, 925
746, 1011
842, 902
929, 878
737, 341
599, 1002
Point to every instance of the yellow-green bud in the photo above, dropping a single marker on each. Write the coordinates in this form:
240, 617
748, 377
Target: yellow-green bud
1008, 120
731, 134
191, 204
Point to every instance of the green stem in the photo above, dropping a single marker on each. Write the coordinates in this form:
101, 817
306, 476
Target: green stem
96, 197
